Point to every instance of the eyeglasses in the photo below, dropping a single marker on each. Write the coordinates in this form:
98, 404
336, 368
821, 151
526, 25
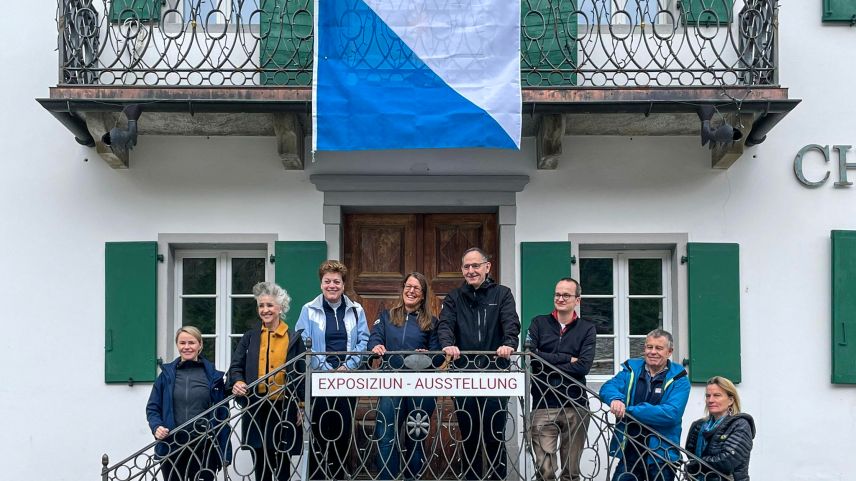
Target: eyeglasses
564, 296
474, 265
413, 288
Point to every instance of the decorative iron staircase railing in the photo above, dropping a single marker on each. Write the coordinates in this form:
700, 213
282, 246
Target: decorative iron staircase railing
198, 450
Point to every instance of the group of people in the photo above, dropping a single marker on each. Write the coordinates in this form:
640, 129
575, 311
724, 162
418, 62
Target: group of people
647, 397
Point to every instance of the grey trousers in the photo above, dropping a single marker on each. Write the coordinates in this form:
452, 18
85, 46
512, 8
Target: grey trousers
563, 431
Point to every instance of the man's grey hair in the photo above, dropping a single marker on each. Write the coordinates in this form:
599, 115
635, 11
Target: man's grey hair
482, 253
656, 333
274, 290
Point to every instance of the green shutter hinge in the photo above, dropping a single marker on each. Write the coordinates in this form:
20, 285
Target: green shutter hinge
573, 260
272, 259
685, 362
684, 259
160, 258
130, 382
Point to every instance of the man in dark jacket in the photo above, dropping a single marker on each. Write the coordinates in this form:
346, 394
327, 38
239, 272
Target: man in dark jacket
480, 316
559, 404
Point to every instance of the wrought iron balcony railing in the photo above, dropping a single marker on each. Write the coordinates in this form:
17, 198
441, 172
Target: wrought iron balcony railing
564, 43
290, 432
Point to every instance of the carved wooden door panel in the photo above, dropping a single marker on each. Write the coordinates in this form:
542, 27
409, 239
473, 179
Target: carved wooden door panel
379, 250
447, 236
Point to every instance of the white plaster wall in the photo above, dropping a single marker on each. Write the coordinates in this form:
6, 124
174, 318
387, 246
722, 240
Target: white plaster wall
614, 184
57, 210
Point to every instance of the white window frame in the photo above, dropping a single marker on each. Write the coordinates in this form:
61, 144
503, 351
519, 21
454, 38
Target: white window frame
170, 245
675, 247
222, 337
181, 14
621, 297
662, 19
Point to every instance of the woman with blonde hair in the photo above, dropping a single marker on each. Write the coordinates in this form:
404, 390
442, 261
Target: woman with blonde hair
722, 439
186, 388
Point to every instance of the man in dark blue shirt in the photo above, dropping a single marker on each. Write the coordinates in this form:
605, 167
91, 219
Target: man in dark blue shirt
559, 403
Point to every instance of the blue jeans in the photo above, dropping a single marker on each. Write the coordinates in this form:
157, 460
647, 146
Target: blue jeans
414, 413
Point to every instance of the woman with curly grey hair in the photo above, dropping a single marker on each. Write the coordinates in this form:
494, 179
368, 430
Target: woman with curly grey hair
270, 424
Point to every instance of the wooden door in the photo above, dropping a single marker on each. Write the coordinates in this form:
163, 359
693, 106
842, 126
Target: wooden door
380, 250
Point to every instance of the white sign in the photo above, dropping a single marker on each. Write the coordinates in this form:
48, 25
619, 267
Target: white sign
403, 383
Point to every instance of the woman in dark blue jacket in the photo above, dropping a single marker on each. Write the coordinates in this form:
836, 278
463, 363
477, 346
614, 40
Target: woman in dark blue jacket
722, 439
409, 326
185, 388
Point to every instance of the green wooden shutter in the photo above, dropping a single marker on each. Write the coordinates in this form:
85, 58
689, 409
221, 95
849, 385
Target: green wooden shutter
843, 307
714, 310
542, 264
286, 42
143, 10
130, 312
548, 47
706, 12
296, 268
835, 11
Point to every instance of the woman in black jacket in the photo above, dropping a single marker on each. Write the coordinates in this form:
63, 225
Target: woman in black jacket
723, 439
272, 413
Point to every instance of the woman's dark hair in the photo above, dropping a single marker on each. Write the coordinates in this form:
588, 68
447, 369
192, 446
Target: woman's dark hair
427, 308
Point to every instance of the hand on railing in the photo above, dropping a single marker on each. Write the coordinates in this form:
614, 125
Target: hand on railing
617, 408
239, 389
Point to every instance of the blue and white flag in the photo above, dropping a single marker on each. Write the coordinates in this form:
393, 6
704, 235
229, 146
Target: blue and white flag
414, 74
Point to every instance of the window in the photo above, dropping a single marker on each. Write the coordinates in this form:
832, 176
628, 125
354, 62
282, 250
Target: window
213, 291
214, 12
625, 12
626, 294
219, 11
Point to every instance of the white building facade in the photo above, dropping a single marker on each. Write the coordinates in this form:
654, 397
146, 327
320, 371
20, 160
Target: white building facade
617, 203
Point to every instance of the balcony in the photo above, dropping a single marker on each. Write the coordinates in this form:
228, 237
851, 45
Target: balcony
588, 67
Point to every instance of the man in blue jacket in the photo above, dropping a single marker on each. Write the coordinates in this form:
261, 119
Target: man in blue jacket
653, 391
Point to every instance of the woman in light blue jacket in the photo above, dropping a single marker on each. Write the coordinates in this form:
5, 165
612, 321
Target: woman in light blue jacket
333, 323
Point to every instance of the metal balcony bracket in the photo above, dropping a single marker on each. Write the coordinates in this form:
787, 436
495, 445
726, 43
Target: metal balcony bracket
551, 130
289, 139
99, 123
723, 156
